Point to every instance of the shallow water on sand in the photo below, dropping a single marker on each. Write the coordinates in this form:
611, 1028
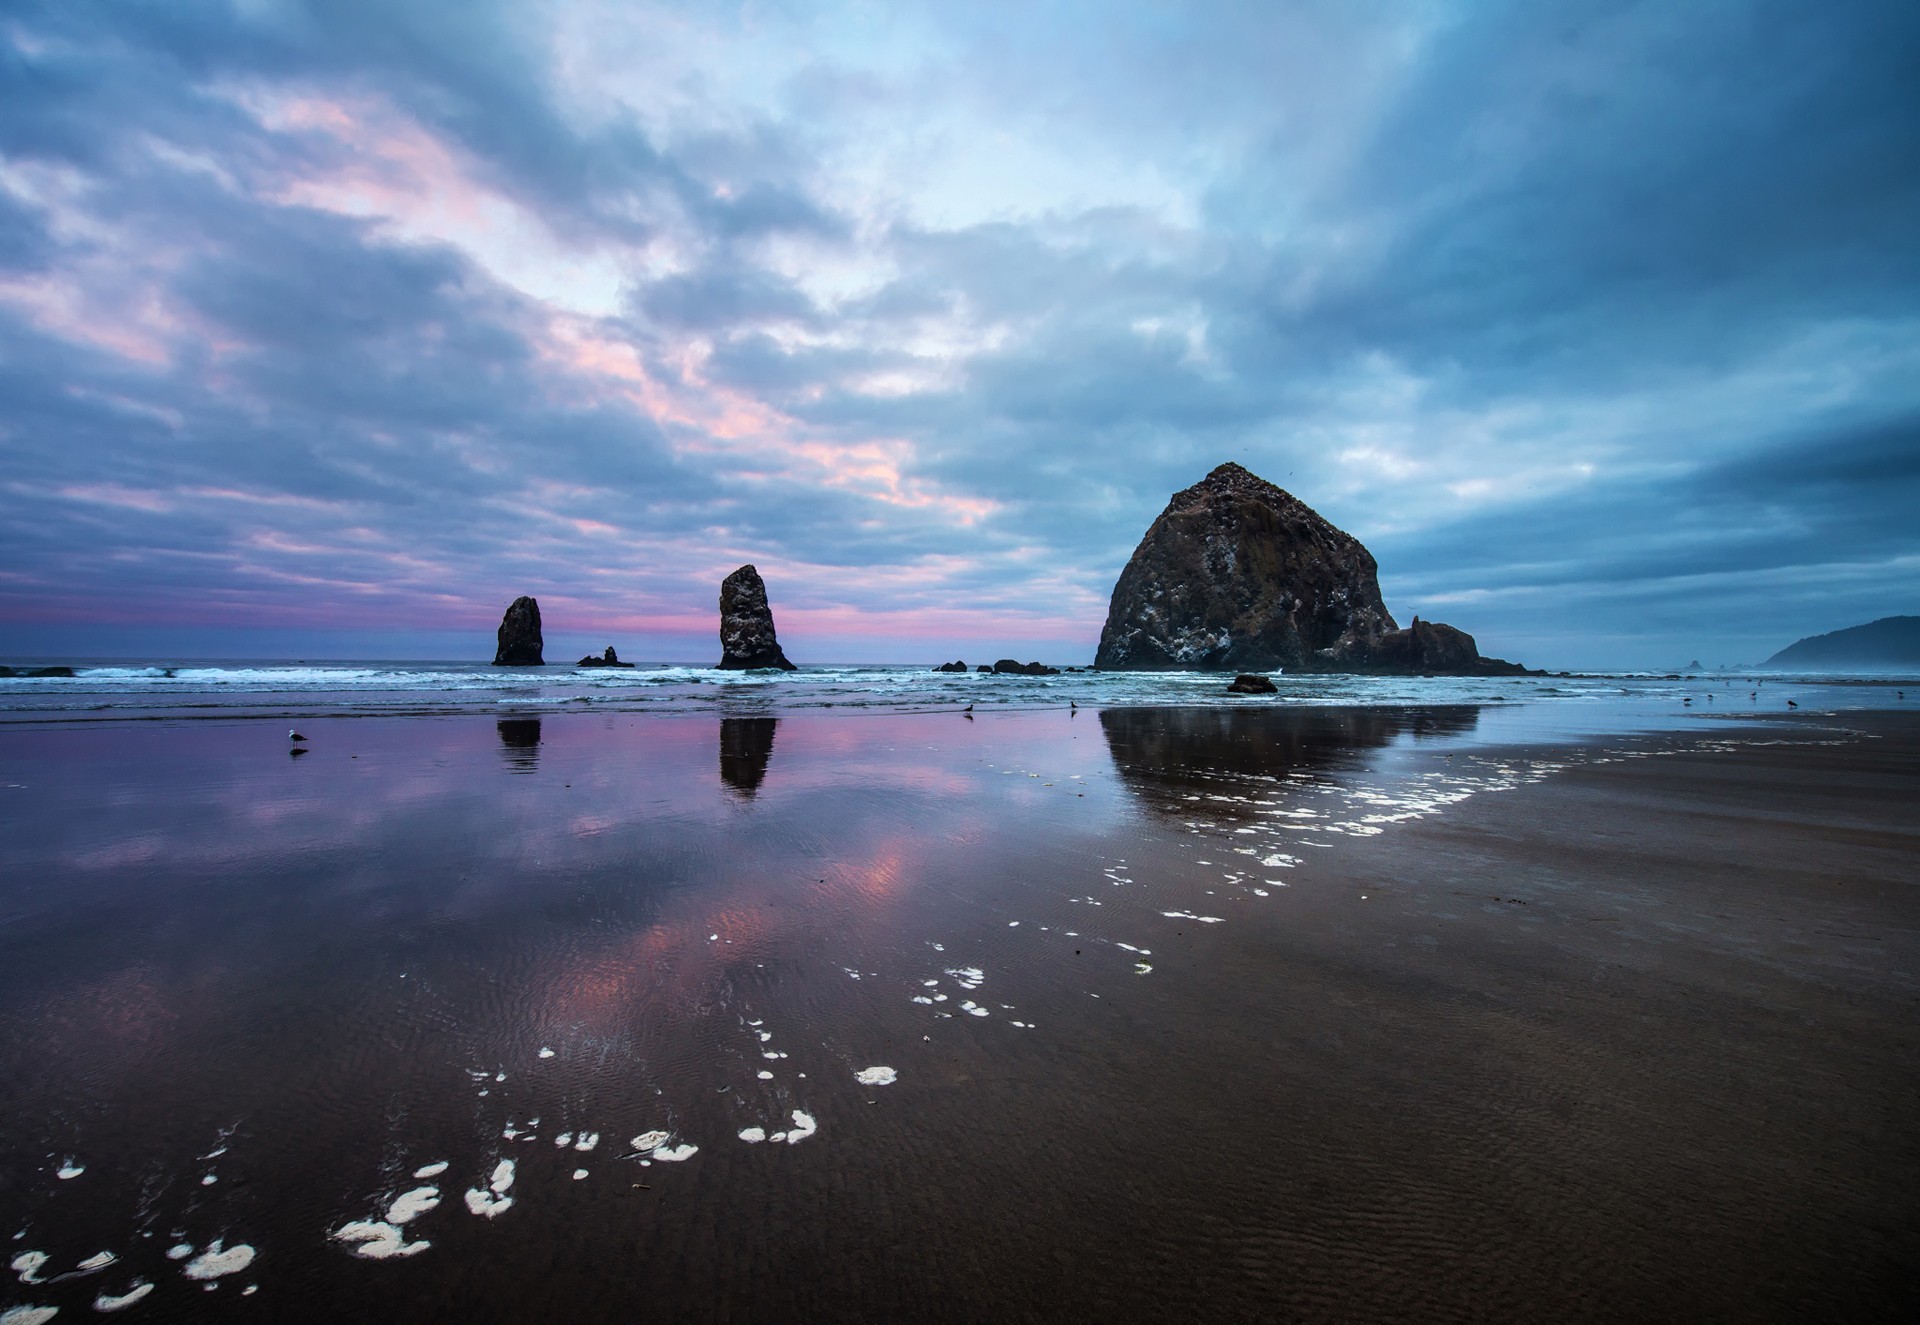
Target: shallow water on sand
595, 1016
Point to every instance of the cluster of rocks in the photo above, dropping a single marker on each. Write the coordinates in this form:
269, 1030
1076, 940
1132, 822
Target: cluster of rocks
747, 637
36, 671
607, 659
1240, 575
1005, 667
1235, 575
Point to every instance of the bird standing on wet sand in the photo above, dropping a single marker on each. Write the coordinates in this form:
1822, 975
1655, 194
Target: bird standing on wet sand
294, 735
1792, 705
967, 709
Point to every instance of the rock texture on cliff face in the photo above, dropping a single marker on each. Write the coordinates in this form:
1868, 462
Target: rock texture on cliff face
1239, 575
747, 639
520, 644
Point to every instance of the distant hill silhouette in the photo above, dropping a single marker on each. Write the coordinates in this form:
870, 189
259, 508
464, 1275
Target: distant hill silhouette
1892, 641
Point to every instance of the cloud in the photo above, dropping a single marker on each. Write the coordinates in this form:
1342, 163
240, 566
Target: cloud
1597, 322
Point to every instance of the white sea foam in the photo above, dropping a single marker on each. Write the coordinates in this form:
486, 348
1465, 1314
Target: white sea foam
876, 1076
27, 1265
803, 1127
562, 1141
432, 1170
411, 1205
586, 1141
674, 1154
764, 1075
545, 1052
502, 1177
753, 1136
486, 1203
377, 1241
100, 1260
70, 1169
108, 1302
28, 1315
1188, 915
579, 1174
649, 1140
180, 1252
968, 1005
215, 1263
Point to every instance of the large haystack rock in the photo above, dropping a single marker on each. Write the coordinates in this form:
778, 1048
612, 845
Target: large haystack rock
520, 644
1239, 575
747, 638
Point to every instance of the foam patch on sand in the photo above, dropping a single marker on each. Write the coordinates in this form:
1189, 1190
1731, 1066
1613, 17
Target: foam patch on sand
180, 1252
803, 1127
675, 1154
876, 1076
377, 1240
28, 1263
972, 1008
432, 1170
545, 1052
578, 1174
1188, 915
100, 1260
967, 977
215, 1263
70, 1169
649, 1140
107, 1302
753, 1136
586, 1141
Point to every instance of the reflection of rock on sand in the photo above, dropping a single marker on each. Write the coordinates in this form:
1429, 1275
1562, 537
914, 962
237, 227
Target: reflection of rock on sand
520, 743
1164, 754
746, 746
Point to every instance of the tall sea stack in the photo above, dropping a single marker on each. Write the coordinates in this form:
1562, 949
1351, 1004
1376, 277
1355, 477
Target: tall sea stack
1238, 575
520, 643
747, 639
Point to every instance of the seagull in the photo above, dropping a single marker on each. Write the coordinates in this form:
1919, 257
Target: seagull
967, 709
294, 735
1792, 705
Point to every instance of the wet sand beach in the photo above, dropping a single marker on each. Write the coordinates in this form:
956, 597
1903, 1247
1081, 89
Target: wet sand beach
1221, 1013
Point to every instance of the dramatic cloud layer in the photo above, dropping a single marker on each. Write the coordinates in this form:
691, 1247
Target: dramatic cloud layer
333, 326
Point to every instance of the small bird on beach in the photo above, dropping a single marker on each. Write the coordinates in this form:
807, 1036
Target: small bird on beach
967, 709
294, 735
1792, 705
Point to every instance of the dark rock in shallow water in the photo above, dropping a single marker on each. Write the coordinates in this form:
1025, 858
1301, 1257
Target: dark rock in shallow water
1238, 574
747, 638
41, 671
520, 644
1008, 667
1431, 647
607, 659
1252, 683
955, 666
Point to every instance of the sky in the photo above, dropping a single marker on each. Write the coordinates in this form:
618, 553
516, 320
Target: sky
326, 329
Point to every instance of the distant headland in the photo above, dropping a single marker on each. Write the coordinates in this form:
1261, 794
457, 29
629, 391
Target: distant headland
1892, 641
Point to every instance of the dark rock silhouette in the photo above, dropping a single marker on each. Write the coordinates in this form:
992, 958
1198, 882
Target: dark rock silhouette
1239, 575
1008, 667
520, 743
607, 659
520, 644
1252, 683
39, 671
983, 668
747, 638
746, 746
1429, 646
955, 666
1892, 641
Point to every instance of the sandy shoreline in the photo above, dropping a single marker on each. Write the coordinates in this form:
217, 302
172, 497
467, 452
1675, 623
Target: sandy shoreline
1624, 1030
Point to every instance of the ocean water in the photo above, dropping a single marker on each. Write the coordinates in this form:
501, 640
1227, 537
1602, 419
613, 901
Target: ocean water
119, 690
676, 995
